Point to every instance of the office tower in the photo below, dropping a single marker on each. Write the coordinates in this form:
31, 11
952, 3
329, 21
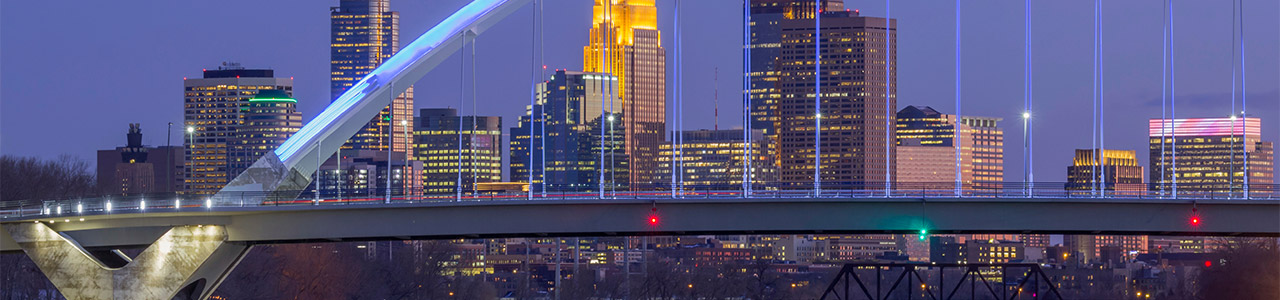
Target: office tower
926, 150
627, 31
1115, 170
137, 169
1210, 155
563, 130
270, 118
449, 145
212, 115
926, 142
363, 34
766, 47
988, 151
714, 160
853, 102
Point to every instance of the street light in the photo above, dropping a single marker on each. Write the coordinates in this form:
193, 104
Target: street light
1026, 152
408, 146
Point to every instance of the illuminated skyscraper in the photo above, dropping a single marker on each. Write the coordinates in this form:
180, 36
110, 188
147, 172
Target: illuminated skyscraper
1210, 155
363, 34
1120, 168
270, 118
627, 31
853, 104
438, 144
766, 46
926, 153
214, 111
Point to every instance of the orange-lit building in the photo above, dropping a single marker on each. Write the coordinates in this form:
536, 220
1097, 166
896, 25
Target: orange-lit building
625, 42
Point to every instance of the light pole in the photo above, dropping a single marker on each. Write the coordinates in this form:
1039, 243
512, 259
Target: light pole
1026, 153
404, 124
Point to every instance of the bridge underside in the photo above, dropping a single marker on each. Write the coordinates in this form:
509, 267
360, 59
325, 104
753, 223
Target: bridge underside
291, 224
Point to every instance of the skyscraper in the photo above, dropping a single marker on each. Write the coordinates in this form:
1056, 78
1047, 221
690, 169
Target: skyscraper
853, 107
447, 144
1115, 170
766, 47
563, 133
988, 150
363, 34
213, 112
138, 169
925, 137
926, 150
627, 31
270, 118
1209, 155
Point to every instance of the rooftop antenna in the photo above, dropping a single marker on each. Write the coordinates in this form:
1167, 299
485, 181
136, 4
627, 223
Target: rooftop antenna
717, 98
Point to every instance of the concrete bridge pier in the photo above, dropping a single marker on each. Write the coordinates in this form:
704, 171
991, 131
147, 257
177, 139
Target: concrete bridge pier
186, 262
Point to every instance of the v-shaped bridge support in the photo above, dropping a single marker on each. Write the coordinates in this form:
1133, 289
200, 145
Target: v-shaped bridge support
187, 262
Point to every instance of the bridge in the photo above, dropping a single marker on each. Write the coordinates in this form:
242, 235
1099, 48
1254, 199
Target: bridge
192, 244
202, 242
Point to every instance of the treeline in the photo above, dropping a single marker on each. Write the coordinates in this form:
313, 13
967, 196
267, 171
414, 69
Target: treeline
31, 178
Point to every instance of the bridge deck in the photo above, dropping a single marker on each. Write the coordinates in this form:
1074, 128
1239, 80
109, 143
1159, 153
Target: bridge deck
304, 223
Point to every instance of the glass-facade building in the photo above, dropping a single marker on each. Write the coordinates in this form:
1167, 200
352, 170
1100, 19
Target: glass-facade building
363, 34
213, 111
270, 118
562, 141
625, 42
766, 47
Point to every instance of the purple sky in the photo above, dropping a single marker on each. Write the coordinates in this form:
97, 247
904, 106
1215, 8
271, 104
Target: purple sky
74, 73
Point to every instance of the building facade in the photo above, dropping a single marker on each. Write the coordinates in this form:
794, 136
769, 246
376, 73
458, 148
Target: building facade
363, 34
361, 175
270, 118
455, 149
766, 47
1105, 170
988, 150
1210, 155
927, 142
562, 141
136, 169
926, 150
715, 160
625, 42
213, 111
856, 95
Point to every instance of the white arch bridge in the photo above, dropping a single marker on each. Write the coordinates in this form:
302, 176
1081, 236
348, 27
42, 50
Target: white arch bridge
192, 246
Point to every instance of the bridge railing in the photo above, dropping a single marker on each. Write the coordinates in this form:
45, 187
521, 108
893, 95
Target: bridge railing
147, 203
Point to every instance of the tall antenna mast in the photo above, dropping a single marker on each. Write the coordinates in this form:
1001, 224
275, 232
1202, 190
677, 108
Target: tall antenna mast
716, 98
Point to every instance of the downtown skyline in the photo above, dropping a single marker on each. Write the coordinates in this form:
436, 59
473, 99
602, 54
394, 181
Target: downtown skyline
992, 50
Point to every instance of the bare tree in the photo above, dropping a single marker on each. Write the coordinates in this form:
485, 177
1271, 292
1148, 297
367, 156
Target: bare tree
1249, 269
30, 178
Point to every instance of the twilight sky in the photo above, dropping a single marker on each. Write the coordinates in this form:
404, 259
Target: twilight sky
74, 73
